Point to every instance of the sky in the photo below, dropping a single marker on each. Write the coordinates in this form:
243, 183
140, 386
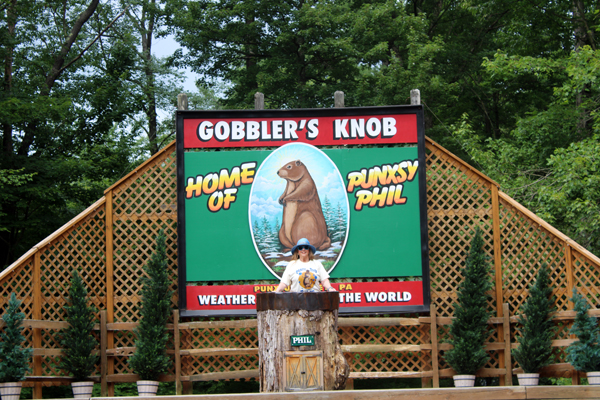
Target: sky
165, 47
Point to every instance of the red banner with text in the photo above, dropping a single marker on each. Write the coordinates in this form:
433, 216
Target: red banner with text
317, 131
352, 294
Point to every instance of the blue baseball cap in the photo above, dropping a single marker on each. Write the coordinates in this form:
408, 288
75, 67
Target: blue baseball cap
304, 242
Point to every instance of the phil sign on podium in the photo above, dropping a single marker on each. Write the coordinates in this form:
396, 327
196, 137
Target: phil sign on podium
250, 183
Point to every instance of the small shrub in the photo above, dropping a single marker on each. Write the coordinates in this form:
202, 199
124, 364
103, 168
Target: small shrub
536, 327
14, 359
77, 340
584, 354
150, 358
469, 326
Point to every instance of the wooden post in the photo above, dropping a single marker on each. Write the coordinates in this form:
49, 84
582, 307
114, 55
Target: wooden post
338, 99
259, 101
103, 356
575, 378
182, 101
37, 314
570, 285
349, 384
498, 275
415, 97
110, 367
178, 387
434, 346
569, 273
188, 387
507, 345
319, 365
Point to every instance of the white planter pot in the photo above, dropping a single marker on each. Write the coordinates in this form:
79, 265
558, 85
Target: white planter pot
528, 379
82, 390
593, 377
147, 388
11, 390
464, 380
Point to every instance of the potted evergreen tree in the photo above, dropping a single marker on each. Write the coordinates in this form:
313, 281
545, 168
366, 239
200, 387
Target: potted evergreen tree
150, 358
14, 359
468, 330
536, 330
584, 354
77, 340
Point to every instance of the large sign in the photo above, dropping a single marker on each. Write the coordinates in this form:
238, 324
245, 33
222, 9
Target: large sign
351, 180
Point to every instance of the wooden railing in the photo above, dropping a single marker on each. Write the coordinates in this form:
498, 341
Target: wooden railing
183, 380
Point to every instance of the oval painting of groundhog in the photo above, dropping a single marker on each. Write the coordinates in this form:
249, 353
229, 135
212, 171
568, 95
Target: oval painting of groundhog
298, 193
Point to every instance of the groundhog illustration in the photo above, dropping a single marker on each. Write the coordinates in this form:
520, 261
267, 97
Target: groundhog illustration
302, 213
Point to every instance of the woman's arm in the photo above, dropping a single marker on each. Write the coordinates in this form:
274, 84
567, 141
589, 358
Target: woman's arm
327, 286
281, 287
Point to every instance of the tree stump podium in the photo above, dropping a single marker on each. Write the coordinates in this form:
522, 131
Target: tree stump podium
298, 346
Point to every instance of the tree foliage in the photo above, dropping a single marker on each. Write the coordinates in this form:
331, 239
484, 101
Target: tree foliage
14, 359
78, 341
469, 328
536, 329
584, 354
511, 87
150, 358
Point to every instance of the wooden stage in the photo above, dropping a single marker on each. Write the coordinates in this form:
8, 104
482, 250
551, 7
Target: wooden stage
476, 393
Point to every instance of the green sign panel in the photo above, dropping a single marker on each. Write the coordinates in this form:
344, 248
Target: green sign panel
375, 227
302, 340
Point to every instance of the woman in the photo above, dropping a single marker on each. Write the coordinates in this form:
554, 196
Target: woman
304, 273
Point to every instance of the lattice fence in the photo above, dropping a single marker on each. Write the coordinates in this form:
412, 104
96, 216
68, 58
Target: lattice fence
111, 241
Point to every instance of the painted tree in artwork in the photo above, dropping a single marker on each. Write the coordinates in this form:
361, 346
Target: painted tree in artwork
270, 241
339, 224
329, 215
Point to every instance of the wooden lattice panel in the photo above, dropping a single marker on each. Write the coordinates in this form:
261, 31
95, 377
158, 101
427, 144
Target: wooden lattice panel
212, 364
587, 278
134, 243
223, 337
389, 361
412, 334
80, 248
19, 282
142, 205
151, 191
458, 201
369, 362
524, 245
238, 338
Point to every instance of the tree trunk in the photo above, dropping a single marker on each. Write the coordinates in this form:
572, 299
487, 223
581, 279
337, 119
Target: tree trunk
283, 315
147, 24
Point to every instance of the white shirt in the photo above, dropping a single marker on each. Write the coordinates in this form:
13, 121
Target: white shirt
304, 276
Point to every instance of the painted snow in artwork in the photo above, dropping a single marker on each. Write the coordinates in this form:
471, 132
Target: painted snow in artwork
298, 192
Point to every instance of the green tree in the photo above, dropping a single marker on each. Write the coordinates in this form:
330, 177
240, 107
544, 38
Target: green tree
56, 108
14, 359
297, 53
584, 354
549, 161
150, 358
77, 339
469, 328
152, 83
536, 329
